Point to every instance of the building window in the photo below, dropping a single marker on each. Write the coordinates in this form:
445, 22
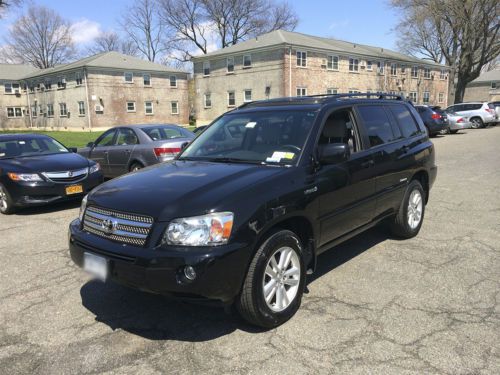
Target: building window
208, 100
48, 84
332, 63
427, 73
331, 91
403, 69
230, 64
231, 99
206, 68
301, 91
128, 77
353, 65
130, 106
173, 81
8, 88
50, 110
369, 65
413, 96
380, 67
353, 91
63, 110
247, 61
148, 107
146, 78
14, 112
78, 79
61, 83
441, 97
394, 69
81, 108
414, 72
33, 111
426, 97
301, 59
442, 74
12, 88
174, 107
494, 85
247, 96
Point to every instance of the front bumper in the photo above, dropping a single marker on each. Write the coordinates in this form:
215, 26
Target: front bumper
219, 270
44, 192
435, 127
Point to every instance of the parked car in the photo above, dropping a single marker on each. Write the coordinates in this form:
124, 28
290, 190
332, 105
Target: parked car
36, 169
435, 120
497, 110
480, 114
199, 129
129, 148
244, 222
457, 122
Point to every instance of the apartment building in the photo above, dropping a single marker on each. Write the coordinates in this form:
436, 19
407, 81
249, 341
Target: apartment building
283, 63
97, 92
484, 88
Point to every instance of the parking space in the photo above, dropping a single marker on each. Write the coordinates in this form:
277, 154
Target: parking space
378, 305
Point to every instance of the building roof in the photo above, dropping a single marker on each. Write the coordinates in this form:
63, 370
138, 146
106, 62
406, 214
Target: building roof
112, 60
492, 75
282, 37
15, 72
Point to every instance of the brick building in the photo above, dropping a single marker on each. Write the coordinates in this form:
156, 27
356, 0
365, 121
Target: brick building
484, 88
283, 63
97, 92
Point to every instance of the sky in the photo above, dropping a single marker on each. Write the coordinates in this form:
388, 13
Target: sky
365, 21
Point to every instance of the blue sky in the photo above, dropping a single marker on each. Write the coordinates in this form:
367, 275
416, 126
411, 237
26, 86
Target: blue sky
365, 21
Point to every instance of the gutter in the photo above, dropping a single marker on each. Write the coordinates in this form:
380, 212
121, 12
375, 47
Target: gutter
87, 95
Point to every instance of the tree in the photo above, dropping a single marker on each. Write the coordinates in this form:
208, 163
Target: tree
111, 41
6, 4
225, 22
143, 28
464, 34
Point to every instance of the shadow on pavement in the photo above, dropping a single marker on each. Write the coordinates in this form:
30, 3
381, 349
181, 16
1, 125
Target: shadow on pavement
47, 209
156, 317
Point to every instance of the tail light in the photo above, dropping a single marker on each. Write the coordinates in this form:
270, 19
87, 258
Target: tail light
162, 152
489, 110
436, 116
460, 120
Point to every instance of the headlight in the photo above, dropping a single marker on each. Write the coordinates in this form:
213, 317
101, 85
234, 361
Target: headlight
206, 230
94, 168
83, 207
24, 177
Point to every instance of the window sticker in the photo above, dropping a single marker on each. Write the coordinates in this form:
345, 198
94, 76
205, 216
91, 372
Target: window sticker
250, 125
278, 155
2, 155
22, 142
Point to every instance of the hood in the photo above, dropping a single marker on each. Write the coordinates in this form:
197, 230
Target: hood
46, 163
181, 188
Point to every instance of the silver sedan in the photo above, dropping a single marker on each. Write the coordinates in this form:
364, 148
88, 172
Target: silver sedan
456, 123
128, 148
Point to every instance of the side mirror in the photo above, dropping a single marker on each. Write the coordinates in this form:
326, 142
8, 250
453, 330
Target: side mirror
184, 145
91, 144
73, 149
333, 153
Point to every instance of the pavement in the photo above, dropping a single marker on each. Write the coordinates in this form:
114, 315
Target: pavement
375, 305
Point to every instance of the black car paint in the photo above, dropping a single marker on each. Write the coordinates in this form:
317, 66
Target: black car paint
325, 203
43, 192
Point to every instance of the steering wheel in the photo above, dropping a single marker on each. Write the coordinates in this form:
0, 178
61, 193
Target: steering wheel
293, 147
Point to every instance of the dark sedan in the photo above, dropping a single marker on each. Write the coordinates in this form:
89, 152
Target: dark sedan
36, 169
435, 120
128, 148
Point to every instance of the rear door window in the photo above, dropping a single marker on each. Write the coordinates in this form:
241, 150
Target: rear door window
377, 124
126, 137
405, 120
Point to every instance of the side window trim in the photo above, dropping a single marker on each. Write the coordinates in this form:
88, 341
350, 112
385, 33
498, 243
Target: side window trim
113, 140
396, 122
366, 139
125, 129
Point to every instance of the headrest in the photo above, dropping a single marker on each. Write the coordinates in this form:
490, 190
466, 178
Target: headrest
271, 133
335, 128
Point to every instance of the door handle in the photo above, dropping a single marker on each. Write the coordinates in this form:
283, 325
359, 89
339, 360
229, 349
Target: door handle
368, 164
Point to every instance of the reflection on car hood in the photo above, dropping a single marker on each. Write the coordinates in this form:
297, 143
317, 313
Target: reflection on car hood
180, 188
45, 163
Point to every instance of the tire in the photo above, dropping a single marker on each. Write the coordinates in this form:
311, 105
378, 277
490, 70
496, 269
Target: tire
135, 166
251, 303
444, 131
6, 204
476, 123
404, 224
453, 131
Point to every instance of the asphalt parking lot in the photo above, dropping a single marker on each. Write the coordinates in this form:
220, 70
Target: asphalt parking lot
376, 305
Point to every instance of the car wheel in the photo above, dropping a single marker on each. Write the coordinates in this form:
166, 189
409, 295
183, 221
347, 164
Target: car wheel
476, 123
408, 221
6, 204
453, 131
444, 131
135, 167
273, 287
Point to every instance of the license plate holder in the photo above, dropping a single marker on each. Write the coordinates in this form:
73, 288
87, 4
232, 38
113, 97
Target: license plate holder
96, 265
74, 189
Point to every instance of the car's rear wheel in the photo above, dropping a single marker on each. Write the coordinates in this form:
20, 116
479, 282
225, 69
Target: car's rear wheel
408, 221
476, 123
6, 204
273, 288
135, 166
453, 131
444, 131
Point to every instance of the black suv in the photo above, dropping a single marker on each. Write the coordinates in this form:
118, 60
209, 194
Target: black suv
242, 213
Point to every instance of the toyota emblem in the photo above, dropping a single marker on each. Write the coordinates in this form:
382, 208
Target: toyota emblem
109, 226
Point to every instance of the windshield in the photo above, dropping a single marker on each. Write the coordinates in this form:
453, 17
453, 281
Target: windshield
276, 137
15, 148
161, 133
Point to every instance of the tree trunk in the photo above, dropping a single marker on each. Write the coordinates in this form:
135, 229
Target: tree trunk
460, 89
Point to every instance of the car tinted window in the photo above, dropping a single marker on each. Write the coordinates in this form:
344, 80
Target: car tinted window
491, 106
162, 133
377, 124
405, 120
126, 137
472, 107
458, 108
106, 139
30, 147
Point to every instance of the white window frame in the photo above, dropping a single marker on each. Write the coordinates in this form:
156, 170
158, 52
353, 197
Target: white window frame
424, 95
15, 112
403, 69
414, 72
394, 69
60, 84
125, 77
209, 95
441, 97
427, 73
78, 77
146, 108
34, 112
330, 59
174, 80
13, 88
61, 112
369, 65
144, 75
245, 100
127, 108
493, 85
176, 112
81, 108
413, 96
206, 65
332, 91
50, 110
354, 64
302, 59
251, 63
442, 74
228, 99
231, 58
354, 91
380, 67
301, 91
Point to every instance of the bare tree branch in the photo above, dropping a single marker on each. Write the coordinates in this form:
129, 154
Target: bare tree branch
111, 41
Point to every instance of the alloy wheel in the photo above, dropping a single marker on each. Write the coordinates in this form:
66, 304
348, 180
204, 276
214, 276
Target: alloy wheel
415, 209
476, 123
4, 205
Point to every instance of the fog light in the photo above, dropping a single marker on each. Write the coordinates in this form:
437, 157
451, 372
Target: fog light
190, 273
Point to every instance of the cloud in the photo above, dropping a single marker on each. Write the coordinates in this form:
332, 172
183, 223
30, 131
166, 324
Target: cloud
339, 24
85, 31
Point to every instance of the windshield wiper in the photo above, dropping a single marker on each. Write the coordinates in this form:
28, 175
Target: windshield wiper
232, 160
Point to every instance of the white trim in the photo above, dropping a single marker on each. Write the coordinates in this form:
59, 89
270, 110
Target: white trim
328, 61
227, 64
146, 110
205, 100
354, 65
143, 80
206, 64
170, 81
302, 59
172, 108
125, 77
245, 96
130, 110
251, 62
234, 97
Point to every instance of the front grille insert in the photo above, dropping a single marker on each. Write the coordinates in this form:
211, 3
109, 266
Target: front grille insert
117, 226
67, 176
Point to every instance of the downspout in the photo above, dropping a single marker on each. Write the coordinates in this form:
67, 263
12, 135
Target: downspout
290, 71
87, 95
29, 104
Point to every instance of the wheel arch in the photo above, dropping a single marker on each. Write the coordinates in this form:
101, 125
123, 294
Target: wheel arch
423, 177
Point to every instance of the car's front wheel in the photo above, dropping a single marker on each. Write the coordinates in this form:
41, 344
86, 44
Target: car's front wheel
135, 167
6, 204
273, 288
408, 221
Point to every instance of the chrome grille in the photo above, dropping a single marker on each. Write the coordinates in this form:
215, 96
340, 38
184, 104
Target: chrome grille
121, 227
67, 176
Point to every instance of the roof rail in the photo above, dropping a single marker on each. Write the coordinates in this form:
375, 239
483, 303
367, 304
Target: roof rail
369, 95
